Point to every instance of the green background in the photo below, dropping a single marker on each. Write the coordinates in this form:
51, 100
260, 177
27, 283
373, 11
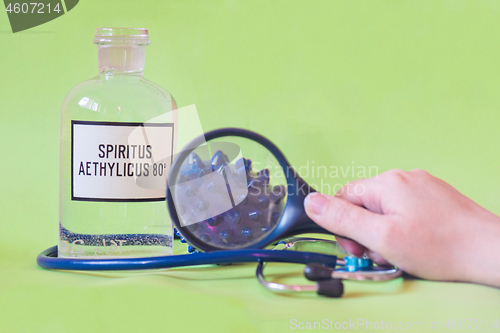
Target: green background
391, 84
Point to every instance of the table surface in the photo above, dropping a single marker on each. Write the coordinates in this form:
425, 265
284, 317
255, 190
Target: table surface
218, 298
384, 84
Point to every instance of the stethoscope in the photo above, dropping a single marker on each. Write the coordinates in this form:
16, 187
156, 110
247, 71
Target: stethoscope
327, 271
231, 193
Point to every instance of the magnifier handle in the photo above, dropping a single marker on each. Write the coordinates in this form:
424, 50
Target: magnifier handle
303, 187
307, 226
303, 223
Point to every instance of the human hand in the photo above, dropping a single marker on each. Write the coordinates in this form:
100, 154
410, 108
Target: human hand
416, 222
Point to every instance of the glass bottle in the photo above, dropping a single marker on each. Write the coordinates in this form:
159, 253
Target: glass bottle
115, 152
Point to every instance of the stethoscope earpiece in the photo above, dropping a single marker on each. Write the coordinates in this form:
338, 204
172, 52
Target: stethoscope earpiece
330, 288
322, 275
317, 272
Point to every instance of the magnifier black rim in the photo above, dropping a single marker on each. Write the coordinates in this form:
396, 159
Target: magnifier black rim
219, 133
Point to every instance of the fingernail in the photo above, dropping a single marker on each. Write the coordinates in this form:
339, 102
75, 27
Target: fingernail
315, 202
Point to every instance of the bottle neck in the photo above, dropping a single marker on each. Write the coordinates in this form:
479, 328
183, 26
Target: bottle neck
121, 59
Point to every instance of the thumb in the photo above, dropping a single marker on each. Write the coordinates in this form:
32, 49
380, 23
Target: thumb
344, 218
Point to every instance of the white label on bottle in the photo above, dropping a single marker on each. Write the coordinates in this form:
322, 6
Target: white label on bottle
113, 161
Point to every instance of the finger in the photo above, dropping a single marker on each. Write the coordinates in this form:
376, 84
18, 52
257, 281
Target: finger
343, 218
363, 192
377, 258
351, 246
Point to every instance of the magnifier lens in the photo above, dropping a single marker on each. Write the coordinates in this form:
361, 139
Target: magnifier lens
229, 193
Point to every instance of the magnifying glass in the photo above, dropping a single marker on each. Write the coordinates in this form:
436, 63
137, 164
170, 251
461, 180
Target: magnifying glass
234, 189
